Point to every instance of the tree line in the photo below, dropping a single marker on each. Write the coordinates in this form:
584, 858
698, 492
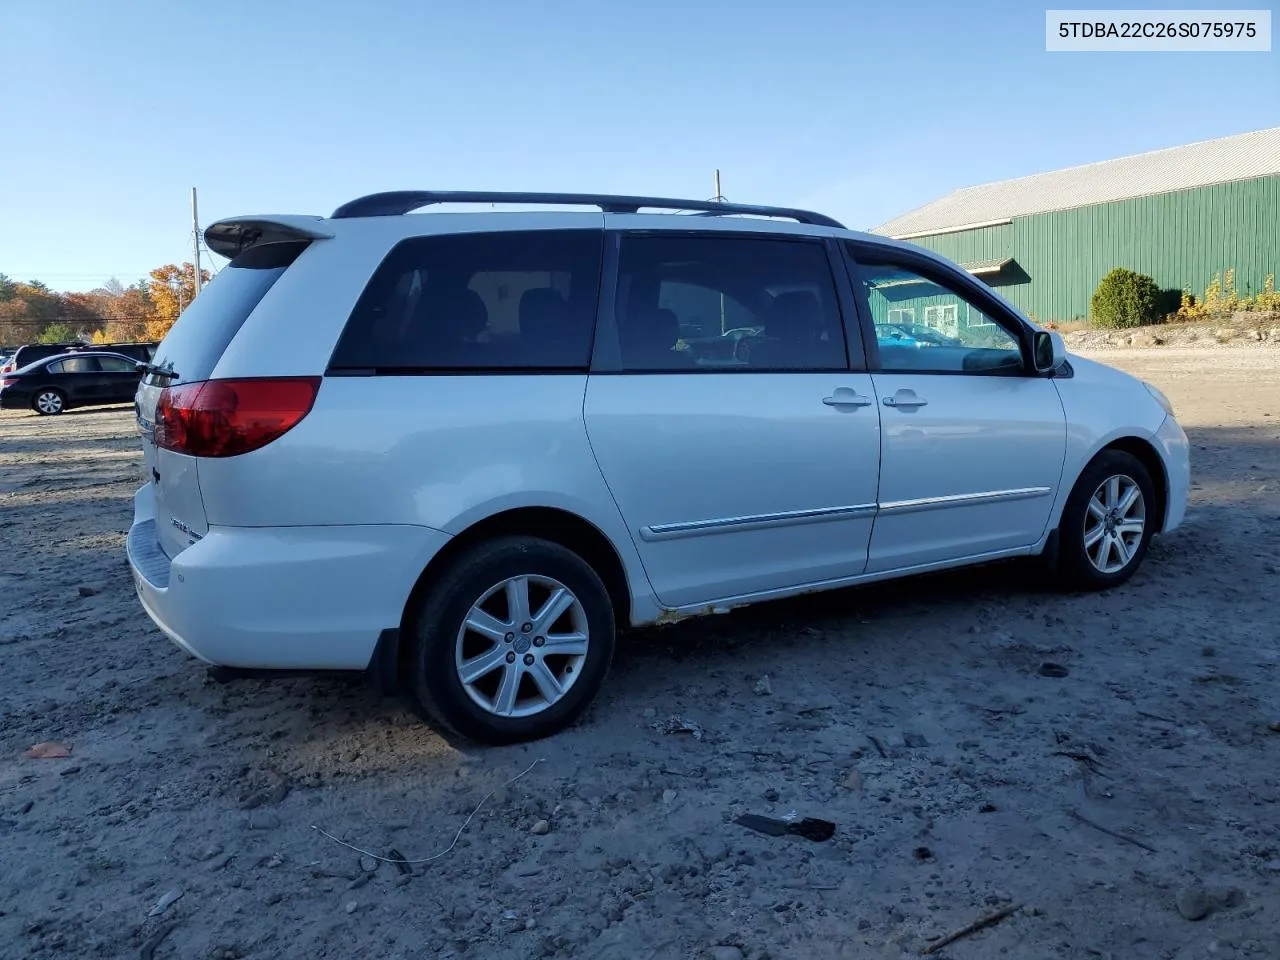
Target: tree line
31, 312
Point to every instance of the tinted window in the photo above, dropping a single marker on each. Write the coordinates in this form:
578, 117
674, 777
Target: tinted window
727, 303
116, 365
482, 301
206, 328
923, 323
80, 365
55, 367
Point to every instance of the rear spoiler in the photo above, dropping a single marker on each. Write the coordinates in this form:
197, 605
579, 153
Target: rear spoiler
234, 236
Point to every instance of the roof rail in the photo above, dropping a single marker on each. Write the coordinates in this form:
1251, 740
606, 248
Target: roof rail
397, 202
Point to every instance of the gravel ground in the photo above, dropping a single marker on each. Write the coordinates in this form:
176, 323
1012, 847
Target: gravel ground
1112, 805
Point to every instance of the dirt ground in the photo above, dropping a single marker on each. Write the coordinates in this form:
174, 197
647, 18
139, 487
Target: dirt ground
1107, 804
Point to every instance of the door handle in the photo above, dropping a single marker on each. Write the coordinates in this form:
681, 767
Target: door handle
905, 403
847, 397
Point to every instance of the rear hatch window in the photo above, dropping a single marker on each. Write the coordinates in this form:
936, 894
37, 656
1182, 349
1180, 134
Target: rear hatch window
205, 329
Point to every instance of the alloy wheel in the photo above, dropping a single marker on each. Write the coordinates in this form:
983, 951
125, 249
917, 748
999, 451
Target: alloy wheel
1114, 523
49, 402
521, 646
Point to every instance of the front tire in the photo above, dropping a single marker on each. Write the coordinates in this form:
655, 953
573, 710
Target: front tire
512, 642
49, 403
1107, 523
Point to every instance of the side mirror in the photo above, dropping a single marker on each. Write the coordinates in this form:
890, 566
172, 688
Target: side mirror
1049, 350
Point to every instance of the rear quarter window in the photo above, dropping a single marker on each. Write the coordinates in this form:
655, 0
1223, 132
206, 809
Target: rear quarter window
509, 301
205, 329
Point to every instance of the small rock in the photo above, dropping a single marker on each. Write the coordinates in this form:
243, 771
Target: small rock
1055, 670
274, 898
763, 688
1271, 866
1273, 727
852, 780
220, 863
922, 853
165, 902
862, 924
263, 820
403, 880
541, 828
26, 807
987, 808
668, 796
87, 591
69, 771
208, 852
914, 740
351, 906
274, 861
726, 953
771, 795
1193, 903
463, 912
368, 864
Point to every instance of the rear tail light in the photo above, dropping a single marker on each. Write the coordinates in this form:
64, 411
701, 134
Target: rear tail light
8, 382
225, 418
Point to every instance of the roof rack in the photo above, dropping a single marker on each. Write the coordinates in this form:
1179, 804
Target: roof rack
397, 202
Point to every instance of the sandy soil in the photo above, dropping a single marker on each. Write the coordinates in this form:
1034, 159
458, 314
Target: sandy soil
1159, 734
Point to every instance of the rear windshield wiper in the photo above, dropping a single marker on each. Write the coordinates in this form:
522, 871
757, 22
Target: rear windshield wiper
155, 371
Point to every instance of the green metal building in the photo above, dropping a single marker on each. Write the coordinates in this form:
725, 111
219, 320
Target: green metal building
1179, 215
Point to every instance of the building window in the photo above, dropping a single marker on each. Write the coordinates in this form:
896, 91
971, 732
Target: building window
901, 315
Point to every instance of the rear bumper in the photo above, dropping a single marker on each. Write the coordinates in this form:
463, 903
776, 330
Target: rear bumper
1176, 450
279, 598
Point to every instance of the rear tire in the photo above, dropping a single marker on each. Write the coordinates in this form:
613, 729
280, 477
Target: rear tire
1107, 523
49, 403
534, 664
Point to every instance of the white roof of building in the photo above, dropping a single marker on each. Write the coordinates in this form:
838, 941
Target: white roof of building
1240, 157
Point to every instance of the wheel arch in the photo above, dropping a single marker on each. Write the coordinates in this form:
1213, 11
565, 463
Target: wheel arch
568, 529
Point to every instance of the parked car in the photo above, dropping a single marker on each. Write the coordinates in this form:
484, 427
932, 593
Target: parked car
54, 385
33, 352
441, 448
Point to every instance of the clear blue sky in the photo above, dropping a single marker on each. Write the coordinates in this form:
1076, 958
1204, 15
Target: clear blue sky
114, 110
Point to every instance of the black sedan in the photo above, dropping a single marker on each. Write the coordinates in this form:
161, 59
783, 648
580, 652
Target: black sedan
81, 379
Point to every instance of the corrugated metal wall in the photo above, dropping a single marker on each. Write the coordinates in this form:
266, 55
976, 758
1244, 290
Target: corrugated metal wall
1179, 239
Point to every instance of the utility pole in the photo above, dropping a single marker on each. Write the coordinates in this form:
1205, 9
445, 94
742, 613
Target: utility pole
195, 243
719, 198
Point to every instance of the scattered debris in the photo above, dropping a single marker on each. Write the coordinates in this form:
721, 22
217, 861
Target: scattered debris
914, 740
87, 591
990, 920
668, 796
352, 906
922, 854
396, 857
1054, 670
49, 750
810, 828
879, 746
1193, 902
675, 724
762, 686
541, 828
1112, 833
988, 808
369, 864
771, 795
165, 902
456, 837
69, 771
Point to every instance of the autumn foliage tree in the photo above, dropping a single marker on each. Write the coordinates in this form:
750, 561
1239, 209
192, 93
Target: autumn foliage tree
171, 288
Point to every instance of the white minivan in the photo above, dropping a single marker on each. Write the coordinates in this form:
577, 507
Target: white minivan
459, 449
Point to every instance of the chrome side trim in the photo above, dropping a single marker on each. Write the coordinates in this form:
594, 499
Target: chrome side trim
697, 528
964, 499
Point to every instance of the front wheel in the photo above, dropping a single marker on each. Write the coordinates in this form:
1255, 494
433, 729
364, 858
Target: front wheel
513, 642
49, 403
1108, 522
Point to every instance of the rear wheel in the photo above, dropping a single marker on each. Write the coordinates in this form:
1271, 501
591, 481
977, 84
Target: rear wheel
513, 642
49, 403
1107, 523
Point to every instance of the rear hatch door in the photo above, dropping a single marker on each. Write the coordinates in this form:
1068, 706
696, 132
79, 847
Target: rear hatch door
188, 354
